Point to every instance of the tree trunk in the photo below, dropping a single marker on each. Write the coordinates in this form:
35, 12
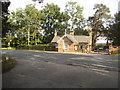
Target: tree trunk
9, 43
28, 36
35, 40
93, 42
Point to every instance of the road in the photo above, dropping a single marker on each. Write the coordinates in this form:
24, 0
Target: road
61, 70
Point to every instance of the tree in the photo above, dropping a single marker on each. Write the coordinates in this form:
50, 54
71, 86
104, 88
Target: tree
5, 24
39, 1
81, 31
113, 31
52, 20
98, 21
76, 20
33, 23
26, 25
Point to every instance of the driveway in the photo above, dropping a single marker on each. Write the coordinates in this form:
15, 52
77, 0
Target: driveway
60, 70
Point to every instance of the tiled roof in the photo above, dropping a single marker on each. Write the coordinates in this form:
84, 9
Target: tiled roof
86, 39
55, 39
73, 38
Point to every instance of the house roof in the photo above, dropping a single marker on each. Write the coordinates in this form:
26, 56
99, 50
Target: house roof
86, 39
73, 38
55, 39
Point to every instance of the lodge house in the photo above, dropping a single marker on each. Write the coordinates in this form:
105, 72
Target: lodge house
72, 43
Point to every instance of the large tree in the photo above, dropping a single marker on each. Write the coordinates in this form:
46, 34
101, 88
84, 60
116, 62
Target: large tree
5, 24
53, 20
25, 25
76, 20
113, 31
98, 21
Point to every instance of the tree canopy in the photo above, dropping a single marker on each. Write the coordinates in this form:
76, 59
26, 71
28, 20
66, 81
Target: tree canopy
5, 24
113, 31
52, 20
31, 26
76, 22
98, 21
25, 25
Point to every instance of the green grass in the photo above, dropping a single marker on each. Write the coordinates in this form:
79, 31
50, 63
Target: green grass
10, 48
7, 63
116, 52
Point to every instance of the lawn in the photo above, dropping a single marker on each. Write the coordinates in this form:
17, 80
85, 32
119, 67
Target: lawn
10, 48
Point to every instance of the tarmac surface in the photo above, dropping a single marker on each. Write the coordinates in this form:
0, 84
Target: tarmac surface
61, 70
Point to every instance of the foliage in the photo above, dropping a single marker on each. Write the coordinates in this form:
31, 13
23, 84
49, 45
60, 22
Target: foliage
80, 31
98, 21
52, 21
25, 26
5, 24
76, 21
113, 31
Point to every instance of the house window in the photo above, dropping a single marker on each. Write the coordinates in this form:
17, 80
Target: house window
66, 45
56, 46
75, 47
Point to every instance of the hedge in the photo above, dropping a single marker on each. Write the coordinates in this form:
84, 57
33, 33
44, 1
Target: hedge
43, 47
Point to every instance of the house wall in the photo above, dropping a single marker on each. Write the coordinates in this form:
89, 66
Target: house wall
71, 46
79, 49
60, 45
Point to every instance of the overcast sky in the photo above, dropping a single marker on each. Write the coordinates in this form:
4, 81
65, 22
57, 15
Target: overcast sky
86, 4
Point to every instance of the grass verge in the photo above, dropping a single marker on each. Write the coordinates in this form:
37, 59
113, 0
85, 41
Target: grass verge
7, 63
10, 48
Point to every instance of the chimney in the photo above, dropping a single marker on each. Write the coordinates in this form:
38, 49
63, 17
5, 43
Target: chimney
72, 32
65, 31
55, 34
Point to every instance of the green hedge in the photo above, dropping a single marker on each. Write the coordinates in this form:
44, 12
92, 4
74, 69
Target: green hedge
43, 47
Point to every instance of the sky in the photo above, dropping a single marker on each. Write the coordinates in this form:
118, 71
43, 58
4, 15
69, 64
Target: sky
86, 4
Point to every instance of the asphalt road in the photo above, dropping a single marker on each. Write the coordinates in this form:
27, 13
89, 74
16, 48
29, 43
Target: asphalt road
60, 70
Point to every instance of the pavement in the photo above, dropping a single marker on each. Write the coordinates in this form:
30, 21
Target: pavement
61, 70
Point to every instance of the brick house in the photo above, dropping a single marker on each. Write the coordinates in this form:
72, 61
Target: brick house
72, 43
